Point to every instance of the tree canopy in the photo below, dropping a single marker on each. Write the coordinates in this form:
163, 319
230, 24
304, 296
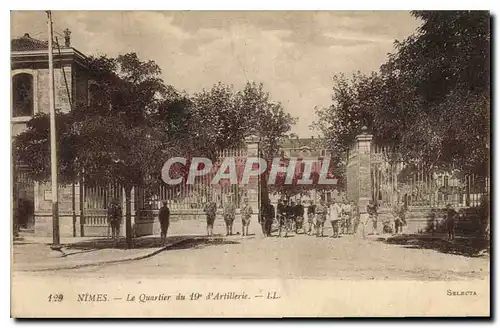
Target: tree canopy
134, 122
429, 103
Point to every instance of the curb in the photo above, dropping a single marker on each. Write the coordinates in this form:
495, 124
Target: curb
85, 265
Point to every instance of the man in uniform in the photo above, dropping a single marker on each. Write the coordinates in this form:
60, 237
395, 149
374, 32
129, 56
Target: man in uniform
229, 215
290, 215
451, 216
355, 217
115, 218
346, 216
311, 213
335, 213
321, 213
164, 218
267, 218
371, 209
246, 215
262, 219
299, 216
400, 218
211, 212
282, 218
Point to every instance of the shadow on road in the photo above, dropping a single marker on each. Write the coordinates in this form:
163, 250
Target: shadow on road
174, 242
197, 243
465, 246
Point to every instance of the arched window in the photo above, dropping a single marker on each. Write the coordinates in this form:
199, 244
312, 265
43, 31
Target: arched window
22, 95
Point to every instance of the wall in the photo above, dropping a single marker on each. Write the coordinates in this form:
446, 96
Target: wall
75, 79
61, 95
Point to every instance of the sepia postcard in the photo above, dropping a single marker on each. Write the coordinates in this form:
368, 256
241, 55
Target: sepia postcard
250, 164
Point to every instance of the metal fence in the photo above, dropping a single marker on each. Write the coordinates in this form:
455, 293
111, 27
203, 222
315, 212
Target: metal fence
179, 197
194, 196
416, 186
96, 200
23, 197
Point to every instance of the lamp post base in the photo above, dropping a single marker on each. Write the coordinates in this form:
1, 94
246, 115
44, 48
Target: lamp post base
56, 251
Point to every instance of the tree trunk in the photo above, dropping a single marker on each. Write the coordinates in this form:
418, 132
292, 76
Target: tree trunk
82, 214
467, 190
128, 216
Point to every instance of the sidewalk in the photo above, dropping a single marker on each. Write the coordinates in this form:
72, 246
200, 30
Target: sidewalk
31, 253
35, 254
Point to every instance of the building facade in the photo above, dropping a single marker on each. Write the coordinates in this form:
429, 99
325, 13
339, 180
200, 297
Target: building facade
314, 149
29, 97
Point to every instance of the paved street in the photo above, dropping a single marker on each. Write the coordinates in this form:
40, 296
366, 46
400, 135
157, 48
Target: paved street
299, 256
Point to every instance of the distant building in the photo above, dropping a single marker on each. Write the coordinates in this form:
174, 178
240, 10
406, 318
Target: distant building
303, 148
312, 148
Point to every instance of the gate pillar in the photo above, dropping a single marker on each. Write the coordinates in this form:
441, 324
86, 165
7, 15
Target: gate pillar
253, 188
359, 184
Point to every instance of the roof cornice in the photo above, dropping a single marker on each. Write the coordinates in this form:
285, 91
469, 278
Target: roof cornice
35, 56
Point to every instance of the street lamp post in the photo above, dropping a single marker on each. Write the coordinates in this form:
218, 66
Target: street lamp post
53, 143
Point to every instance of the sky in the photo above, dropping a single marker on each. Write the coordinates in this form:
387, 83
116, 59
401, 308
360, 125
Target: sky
294, 54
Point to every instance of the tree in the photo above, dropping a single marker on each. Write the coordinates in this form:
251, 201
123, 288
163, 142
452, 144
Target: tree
114, 138
269, 122
134, 123
429, 103
222, 118
32, 148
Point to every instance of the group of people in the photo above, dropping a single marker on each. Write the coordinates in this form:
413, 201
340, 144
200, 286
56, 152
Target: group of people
290, 216
229, 215
343, 216
115, 216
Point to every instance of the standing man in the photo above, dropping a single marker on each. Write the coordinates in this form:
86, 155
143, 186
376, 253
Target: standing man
164, 218
371, 209
311, 213
335, 212
299, 216
290, 215
282, 217
346, 216
451, 217
321, 213
400, 219
246, 215
268, 218
262, 220
355, 217
229, 213
211, 212
115, 218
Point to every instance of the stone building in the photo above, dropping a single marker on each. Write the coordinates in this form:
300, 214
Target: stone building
309, 149
30, 96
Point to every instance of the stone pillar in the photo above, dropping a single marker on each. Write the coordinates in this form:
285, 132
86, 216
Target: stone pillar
253, 187
363, 142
